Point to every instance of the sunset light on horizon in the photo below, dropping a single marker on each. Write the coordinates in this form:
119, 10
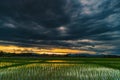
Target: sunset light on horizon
18, 50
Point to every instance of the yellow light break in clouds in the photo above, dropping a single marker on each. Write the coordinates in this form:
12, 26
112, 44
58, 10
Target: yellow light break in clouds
18, 50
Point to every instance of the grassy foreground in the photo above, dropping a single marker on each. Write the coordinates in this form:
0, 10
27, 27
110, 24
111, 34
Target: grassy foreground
59, 68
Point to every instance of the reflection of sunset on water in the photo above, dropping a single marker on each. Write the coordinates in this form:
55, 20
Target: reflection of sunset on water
56, 61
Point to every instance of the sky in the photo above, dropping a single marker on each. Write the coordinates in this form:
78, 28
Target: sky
60, 26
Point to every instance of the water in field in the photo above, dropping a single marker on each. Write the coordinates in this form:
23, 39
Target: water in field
56, 70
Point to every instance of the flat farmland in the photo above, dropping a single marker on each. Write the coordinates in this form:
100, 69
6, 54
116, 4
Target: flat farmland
59, 68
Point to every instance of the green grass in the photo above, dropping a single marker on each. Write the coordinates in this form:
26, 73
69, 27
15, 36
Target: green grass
59, 68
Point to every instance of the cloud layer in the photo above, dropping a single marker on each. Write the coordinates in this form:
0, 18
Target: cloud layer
92, 25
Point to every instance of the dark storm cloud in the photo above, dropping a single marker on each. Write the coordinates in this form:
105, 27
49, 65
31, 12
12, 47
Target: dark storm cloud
80, 24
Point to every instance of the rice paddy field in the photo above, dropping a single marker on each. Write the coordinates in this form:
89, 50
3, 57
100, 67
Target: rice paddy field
59, 68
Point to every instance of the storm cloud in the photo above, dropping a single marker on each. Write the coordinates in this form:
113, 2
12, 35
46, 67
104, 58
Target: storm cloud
78, 24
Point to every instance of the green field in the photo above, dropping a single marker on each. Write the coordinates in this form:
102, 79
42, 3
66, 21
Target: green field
59, 68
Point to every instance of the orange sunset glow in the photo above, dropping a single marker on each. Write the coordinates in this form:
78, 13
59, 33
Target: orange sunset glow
18, 50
